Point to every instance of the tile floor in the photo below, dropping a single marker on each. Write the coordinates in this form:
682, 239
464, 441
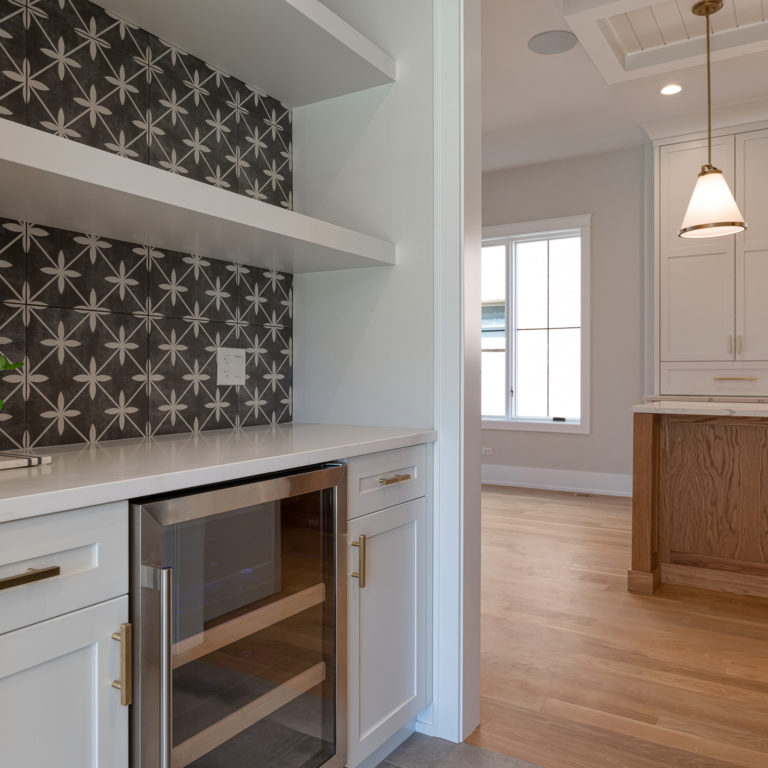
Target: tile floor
424, 752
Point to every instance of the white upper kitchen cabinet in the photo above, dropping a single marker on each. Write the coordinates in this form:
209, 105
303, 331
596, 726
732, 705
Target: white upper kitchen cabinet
711, 313
696, 277
752, 247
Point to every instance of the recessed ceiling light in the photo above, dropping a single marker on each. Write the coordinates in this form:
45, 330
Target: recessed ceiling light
672, 88
553, 41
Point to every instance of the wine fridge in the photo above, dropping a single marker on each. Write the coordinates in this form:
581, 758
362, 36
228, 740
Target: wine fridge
239, 624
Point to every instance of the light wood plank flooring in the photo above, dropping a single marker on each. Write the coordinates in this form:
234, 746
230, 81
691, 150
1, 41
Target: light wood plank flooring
578, 673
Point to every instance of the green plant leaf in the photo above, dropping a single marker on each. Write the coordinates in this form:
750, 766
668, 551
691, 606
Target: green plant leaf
6, 365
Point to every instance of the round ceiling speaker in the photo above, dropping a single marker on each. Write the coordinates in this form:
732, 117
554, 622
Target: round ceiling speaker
553, 41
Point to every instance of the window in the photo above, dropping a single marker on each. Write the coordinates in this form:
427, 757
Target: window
535, 330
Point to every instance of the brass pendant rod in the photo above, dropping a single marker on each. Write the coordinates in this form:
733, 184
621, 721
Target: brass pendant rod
709, 102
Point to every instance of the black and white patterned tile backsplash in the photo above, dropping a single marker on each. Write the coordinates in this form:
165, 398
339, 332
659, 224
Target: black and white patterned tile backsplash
119, 340
70, 68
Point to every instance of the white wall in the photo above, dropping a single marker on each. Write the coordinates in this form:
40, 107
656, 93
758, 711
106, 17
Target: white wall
611, 186
390, 346
364, 339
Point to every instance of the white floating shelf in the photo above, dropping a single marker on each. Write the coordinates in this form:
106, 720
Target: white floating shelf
298, 51
60, 183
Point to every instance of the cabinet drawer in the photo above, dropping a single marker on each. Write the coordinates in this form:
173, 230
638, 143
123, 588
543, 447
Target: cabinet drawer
728, 379
90, 548
384, 479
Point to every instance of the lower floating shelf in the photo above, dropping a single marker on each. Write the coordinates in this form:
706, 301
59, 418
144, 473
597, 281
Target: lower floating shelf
222, 731
59, 183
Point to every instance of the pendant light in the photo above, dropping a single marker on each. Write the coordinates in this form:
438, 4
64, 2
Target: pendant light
712, 211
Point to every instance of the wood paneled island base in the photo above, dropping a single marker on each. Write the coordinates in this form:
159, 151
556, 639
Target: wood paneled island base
700, 498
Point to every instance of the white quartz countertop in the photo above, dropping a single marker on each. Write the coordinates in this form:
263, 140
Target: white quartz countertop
81, 476
705, 408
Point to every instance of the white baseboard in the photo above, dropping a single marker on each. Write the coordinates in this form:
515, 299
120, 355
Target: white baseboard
558, 479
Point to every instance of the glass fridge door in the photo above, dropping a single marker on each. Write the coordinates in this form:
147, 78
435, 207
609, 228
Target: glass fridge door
253, 633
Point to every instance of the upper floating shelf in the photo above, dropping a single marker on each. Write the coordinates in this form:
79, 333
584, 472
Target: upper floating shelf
60, 183
298, 51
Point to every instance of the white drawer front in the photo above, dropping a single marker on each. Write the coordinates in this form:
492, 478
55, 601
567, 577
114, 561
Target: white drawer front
384, 479
707, 379
89, 546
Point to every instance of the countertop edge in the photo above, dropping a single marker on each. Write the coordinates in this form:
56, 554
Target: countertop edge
63, 499
684, 408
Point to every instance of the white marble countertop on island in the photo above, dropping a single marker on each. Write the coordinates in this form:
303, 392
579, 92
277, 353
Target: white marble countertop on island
703, 408
84, 475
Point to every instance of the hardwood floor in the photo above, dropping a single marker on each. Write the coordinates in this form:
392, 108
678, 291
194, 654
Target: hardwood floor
579, 673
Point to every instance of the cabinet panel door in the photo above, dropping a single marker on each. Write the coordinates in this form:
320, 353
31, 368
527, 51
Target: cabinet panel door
387, 626
696, 277
697, 307
57, 704
752, 246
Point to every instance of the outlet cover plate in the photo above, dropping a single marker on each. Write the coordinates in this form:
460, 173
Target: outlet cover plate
230, 367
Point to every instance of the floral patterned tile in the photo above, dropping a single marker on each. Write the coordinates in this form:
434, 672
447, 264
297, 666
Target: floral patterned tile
186, 285
87, 376
184, 396
265, 297
85, 90
71, 269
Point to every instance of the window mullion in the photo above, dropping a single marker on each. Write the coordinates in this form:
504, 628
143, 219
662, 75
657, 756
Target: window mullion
511, 332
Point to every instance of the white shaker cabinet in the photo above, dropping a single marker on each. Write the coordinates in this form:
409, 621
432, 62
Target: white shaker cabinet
712, 317
388, 614
57, 704
752, 247
63, 585
696, 276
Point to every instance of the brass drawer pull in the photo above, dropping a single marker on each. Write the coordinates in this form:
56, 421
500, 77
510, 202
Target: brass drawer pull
395, 479
735, 378
360, 573
32, 575
125, 683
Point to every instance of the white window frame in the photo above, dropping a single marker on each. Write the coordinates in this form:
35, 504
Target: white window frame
540, 229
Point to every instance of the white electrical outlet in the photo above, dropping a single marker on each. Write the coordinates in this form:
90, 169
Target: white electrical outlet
486, 451
230, 367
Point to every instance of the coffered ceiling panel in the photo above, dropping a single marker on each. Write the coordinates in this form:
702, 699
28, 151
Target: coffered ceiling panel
628, 39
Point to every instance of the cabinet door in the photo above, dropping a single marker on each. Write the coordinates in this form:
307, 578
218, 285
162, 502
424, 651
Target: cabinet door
57, 704
387, 626
696, 277
752, 246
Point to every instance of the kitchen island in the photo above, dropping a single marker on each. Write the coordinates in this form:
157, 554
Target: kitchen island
700, 496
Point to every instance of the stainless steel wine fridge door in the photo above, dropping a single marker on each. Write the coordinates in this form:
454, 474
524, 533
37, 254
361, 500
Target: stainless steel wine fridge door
239, 610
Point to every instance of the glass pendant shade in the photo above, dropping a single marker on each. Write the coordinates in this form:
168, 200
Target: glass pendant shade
712, 211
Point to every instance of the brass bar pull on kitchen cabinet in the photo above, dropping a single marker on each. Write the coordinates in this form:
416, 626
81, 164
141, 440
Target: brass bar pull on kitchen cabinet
730, 343
394, 479
735, 378
125, 683
360, 573
738, 344
31, 575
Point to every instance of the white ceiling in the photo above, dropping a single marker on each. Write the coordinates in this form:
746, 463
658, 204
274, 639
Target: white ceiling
541, 108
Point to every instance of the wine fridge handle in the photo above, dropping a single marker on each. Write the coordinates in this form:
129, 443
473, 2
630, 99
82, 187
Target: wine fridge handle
166, 668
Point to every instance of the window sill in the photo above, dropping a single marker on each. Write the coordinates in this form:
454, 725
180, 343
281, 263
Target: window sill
537, 426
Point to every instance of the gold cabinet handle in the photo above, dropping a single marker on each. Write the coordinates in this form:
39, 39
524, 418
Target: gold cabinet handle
360, 572
31, 575
738, 344
730, 343
735, 378
125, 683
394, 479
